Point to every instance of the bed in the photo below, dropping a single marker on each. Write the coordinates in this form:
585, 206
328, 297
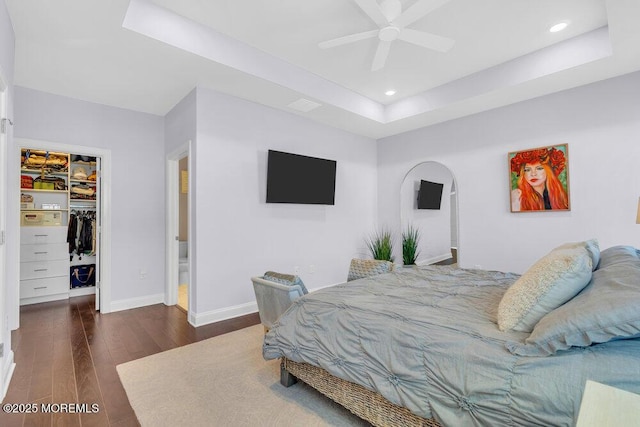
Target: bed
436, 345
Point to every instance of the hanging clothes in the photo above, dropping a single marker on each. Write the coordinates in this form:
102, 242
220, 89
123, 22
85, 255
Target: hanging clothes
85, 237
81, 234
72, 229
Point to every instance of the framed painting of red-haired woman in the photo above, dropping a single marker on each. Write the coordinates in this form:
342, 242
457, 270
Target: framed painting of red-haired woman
539, 179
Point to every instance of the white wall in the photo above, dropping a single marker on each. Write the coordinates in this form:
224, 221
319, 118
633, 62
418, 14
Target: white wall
180, 123
601, 124
180, 127
7, 43
238, 234
136, 141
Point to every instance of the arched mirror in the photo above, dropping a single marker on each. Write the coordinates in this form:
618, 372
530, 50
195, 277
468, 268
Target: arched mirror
428, 203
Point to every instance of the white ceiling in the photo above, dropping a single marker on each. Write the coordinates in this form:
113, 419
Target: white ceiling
146, 55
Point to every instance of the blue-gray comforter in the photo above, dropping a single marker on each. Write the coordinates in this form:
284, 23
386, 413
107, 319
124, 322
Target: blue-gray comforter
426, 339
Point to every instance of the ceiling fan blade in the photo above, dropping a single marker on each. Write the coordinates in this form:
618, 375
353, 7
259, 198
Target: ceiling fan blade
430, 41
417, 11
373, 11
348, 39
381, 55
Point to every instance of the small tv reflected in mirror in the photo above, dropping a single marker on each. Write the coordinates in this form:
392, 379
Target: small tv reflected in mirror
430, 195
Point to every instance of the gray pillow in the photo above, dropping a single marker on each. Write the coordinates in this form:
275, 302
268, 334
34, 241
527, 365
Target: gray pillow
607, 309
617, 255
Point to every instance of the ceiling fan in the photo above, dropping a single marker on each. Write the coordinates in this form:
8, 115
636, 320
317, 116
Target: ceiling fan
392, 23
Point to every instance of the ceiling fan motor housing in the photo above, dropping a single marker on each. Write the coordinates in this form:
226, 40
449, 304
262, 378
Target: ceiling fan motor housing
392, 25
389, 34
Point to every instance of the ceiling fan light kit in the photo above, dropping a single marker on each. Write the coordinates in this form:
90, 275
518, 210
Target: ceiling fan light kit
392, 22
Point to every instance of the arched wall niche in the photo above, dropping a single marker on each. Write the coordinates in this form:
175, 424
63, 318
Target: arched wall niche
438, 228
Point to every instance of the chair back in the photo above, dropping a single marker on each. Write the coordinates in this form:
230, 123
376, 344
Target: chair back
361, 268
275, 292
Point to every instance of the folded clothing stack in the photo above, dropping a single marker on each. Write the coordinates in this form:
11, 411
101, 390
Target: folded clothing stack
83, 190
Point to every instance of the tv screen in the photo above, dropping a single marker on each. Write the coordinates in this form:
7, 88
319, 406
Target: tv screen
429, 195
293, 178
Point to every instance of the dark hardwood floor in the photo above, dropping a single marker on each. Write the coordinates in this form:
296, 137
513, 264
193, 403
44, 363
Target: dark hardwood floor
66, 352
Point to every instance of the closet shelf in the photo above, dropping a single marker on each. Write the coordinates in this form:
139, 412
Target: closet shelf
47, 172
44, 210
84, 181
40, 190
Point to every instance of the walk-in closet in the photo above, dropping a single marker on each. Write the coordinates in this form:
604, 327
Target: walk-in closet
60, 217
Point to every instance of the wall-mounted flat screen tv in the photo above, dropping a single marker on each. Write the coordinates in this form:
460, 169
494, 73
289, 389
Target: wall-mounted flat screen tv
429, 195
293, 178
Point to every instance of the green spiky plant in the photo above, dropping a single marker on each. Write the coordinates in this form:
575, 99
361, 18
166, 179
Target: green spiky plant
381, 245
410, 238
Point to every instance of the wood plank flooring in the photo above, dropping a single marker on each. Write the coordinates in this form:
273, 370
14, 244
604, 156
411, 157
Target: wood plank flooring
66, 352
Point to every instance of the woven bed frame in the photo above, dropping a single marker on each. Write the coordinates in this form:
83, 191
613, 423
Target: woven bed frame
364, 403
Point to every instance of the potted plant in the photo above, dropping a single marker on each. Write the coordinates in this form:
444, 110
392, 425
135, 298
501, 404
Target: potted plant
410, 238
381, 245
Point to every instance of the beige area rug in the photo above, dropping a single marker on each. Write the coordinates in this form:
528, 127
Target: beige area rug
224, 381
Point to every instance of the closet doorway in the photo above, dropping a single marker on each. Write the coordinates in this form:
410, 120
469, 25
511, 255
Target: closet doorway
74, 218
179, 288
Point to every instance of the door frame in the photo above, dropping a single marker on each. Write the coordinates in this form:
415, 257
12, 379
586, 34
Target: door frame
7, 364
172, 197
104, 248
454, 223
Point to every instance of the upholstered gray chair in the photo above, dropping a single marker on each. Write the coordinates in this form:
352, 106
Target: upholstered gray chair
275, 292
360, 268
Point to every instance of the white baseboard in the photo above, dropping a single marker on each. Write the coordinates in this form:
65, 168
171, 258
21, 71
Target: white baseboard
434, 259
196, 320
200, 319
7, 372
126, 304
46, 298
325, 286
78, 292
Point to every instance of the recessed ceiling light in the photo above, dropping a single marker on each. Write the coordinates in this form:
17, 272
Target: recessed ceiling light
559, 26
390, 92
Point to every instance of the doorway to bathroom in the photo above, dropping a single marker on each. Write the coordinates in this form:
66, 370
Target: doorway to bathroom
183, 234
180, 287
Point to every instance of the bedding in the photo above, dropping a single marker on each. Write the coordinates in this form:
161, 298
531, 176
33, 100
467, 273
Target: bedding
427, 339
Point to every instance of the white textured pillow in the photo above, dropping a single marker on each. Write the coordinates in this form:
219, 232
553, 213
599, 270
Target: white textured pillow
591, 246
550, 282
